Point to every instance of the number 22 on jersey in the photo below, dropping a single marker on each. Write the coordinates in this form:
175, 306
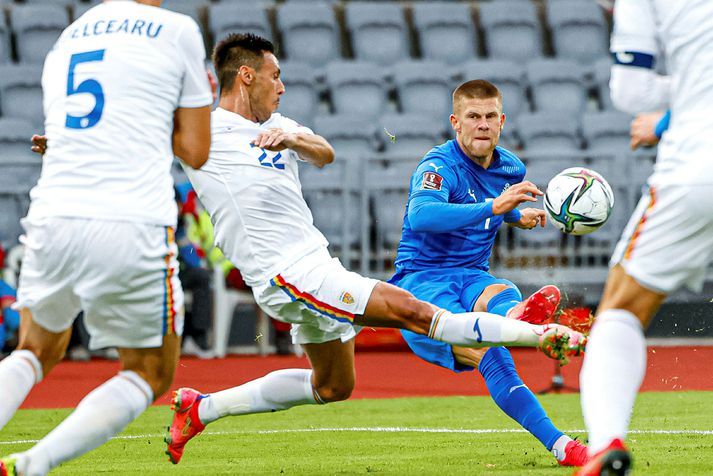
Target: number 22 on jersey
88, 86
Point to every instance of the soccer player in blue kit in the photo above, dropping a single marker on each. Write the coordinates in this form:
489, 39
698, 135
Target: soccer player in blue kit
460, 194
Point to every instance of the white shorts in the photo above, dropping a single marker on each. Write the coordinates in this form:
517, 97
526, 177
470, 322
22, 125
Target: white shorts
318, 296
123, 275
668, 242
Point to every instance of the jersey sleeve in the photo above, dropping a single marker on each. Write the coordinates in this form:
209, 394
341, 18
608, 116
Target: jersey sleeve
635, 86
195, 90
293, 127
433, 177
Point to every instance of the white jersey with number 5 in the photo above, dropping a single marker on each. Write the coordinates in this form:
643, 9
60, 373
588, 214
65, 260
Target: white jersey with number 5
254, 197
111, 85
682, 32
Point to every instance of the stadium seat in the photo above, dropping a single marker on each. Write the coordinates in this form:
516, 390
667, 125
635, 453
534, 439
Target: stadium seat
356, 88
445, 31
192, 8
378, 31
349, 135
300, 100
15, 137
508, 76
5, 46
411, 135
37, 28
606, 131
423, 87
310, 32
557, 85
21, 93
11, 211
512, 30
579, 30
80, 9
548, 132
601, 73
225, 18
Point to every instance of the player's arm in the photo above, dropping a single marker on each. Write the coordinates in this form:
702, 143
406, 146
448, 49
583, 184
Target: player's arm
311, 148
635, 86
191, 135
530, 218
429, 213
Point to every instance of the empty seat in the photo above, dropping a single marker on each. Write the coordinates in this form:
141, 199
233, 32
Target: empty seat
192, 8
606, 131
508, 76
445, 31
21, 93
11, 211
15, 137
579, 31
411, 135
601, 74
512, 30
5, 47
349, 135
309, 32
37, 28
356, 88
80, 9
557, 85
423, 87
548, 132
378, 31
300, 100
238, 18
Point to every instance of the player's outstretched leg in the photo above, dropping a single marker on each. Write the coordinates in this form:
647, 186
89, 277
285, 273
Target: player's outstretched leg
19, 372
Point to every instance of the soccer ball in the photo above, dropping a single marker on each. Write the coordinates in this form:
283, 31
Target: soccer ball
578, 201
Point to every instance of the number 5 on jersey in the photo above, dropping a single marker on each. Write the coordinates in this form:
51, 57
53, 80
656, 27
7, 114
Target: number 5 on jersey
88, 86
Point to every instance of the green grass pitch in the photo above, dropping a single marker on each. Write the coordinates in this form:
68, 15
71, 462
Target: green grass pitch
673, 434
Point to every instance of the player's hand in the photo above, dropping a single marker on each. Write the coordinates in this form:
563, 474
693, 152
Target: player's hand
213, 84
531, 217
274, 139
39, 144
643, 129
512, 197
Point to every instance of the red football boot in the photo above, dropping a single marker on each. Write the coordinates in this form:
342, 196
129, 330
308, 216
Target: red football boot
185, 424
575, 454
538, 308
614, 460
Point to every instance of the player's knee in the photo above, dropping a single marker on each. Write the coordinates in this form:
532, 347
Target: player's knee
336, 391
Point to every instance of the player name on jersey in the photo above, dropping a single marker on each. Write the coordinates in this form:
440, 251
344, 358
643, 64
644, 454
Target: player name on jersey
108, 27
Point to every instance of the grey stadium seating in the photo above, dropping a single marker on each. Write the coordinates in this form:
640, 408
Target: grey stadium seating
310, 32
445, 31
508, 76
15, 137
411, 135
378, 31
548, 132
557, 85
601, 71
225, 18
423, 87
5, 46
192, 8
512, 31
37, 28
606, 131
350, 135
579, 31
21, 93
300, 100
356, 88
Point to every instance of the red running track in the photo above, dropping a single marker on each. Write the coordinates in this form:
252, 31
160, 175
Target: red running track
379, 375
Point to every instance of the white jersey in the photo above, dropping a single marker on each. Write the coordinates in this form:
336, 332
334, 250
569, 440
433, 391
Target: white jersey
254, 197
682, 31
111, 85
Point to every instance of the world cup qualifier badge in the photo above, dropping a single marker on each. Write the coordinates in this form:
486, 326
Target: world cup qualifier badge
431, 181
346, 298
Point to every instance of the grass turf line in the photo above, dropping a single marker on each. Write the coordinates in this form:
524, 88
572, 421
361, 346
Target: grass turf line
233, 445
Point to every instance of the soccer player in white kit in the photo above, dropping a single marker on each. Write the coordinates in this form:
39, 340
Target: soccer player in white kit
251, 189
668, 242
125, 88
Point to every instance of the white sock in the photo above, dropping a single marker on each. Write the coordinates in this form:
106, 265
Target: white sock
559, 447
100, 415
613, 369
19, 372
275, 391
482, 329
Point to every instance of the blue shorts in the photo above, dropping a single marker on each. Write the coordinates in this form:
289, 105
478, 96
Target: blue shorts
453, 289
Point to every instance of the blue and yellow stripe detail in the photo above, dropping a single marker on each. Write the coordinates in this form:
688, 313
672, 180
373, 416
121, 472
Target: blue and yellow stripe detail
169, 306
312, 302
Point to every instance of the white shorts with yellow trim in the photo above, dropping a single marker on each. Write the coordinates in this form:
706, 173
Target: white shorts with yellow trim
668, 242
318, 296
123, 275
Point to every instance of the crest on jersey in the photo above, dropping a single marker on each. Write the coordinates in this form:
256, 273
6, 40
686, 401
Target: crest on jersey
346, 298
431, 181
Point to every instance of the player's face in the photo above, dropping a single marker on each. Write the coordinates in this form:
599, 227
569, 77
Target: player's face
267, 88
478, 123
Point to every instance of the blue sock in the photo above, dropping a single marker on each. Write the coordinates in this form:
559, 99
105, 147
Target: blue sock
506, 387
505, 300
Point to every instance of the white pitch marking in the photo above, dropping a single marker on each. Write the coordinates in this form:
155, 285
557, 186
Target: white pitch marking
474, 431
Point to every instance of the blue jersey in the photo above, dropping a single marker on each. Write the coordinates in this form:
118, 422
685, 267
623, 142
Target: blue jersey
449, 175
